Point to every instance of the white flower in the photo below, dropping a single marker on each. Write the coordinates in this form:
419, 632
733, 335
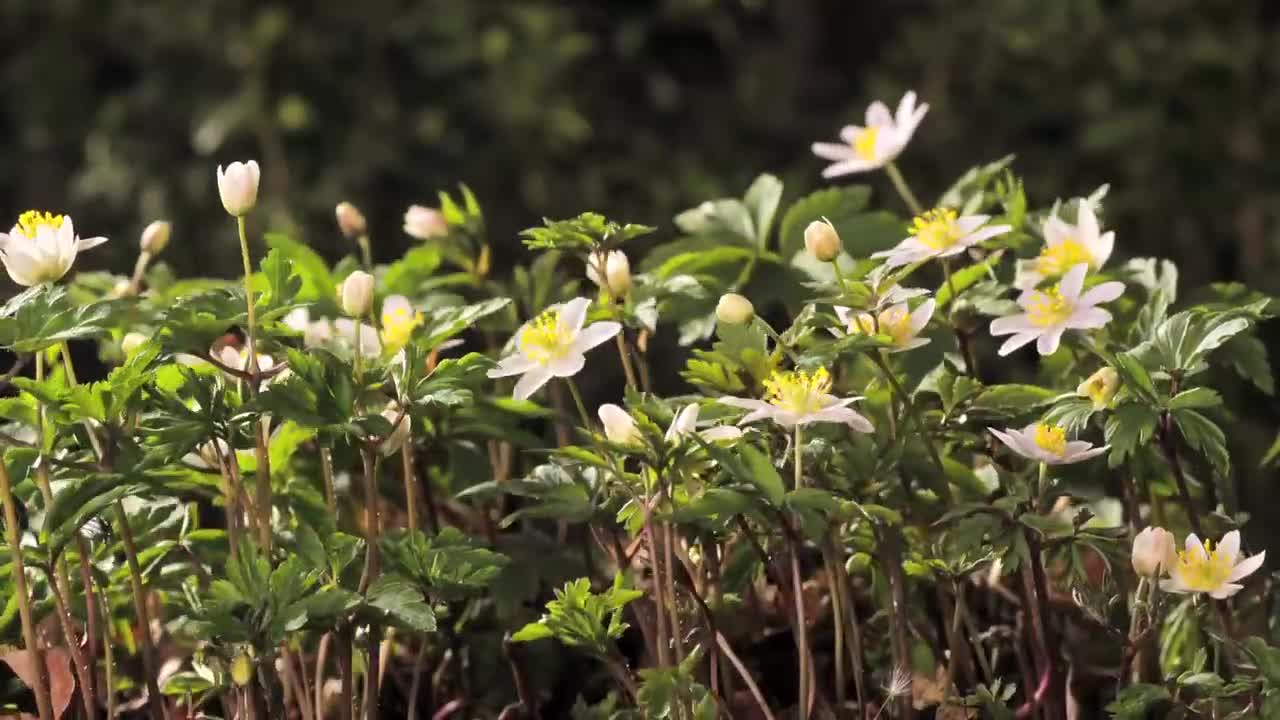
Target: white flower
399, 320
1100, 387
617, 271
553, 344
155, 238
41, 247
940, 233
1067, 245
1047, 444
799, 397
356, 294
425, 223
899, 322
618, 424
237, 358
132, 342
1153, 551
686, 421
734, 309
238, 186
822, 241
1053, 311
313, 333
1202, 568
399, 434
350, 220
875, 144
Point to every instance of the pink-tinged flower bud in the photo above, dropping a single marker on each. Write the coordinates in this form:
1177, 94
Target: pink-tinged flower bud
238, 186
1153, 551
425, 223
351, 221
734, 309
822, 241
356, 294
155, 238
617, 271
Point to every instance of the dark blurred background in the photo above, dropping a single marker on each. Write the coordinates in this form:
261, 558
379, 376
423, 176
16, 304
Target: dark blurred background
118, 112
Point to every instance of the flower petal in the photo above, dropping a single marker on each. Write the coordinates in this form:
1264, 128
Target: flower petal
1011, 324
1087, 318
1016, 342
1229, 545
1104, 292
1048, 342
833, 151
512, 365
878, 115
1225, 591
1072, 282
531, 382
567, 365
83, 244
1248, 566
848, 167
594, 334
574, 313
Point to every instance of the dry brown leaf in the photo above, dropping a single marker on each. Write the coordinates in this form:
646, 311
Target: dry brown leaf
58, 661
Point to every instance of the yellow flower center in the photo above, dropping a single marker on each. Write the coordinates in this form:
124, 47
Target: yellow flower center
1051, 438
894, 322
1204, 571
31, 220
544, 339
1056, 260
1048, 307
864, 145
398, 325
798, 392
936, 229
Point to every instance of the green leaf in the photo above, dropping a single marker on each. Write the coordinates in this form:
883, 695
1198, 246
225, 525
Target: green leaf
861, 232
407, 275
581, 234
400, 601
44, 316
1247, 355
1205, 436
762, 473
762, 200
966, 277
1135, 376
317, 283
1197, 397
79, 501
283, 285
1135, 701
1012, 399
1128, 428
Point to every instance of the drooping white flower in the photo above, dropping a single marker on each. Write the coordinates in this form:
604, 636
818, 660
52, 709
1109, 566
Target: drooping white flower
1067, 245
1048, 444
554, 344
898, 321
799, 397
425, 223
1100, 387
1051, 312
1201, 568
618, 424
41, 247
1153, 551
940, 233
238, 187
879, 142
617, 271
686, 422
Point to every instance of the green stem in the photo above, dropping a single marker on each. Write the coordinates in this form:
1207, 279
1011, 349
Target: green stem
154, 698
577, 400
900, 184
250, 333
366, 254
910, 407
19, 575
844, 287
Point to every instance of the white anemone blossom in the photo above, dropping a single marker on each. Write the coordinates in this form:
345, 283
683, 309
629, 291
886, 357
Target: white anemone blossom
800, 397
554, 344
940, 233
1051, 312
621, 428
898, 321
1067, 245
41, 247
1217, 571
879, 142
1047, 444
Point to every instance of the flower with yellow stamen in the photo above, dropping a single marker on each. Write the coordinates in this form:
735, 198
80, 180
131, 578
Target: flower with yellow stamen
940, 233
800, 397
1100, 387
874, 145
1047, 444
1067, 245
1202, 568
1047, 314
554, 344
41, 247
898, 321
399, 320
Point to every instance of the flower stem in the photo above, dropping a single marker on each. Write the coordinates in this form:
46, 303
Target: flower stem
900, 184
250, 332
19, 575
371, 570
410, 483
154, 698
366, 253
913, 413
577, 400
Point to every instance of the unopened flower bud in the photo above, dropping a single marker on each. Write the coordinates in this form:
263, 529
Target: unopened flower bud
356, 294
238, 186
155, 237
351, 221
1101, 387
132, 342
122, 289
242, 669
734, 309
822, 241
1153, 551
399, 434
425, 223
617, 271
619, 426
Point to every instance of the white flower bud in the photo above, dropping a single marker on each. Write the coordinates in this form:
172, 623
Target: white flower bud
155, 238
351, 221
425, 223
1101, 387
822, 241
617, 271
399, 434
238, 186
123, 289
132, 342
1153, 551
734, 309
356, 294
619, 426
